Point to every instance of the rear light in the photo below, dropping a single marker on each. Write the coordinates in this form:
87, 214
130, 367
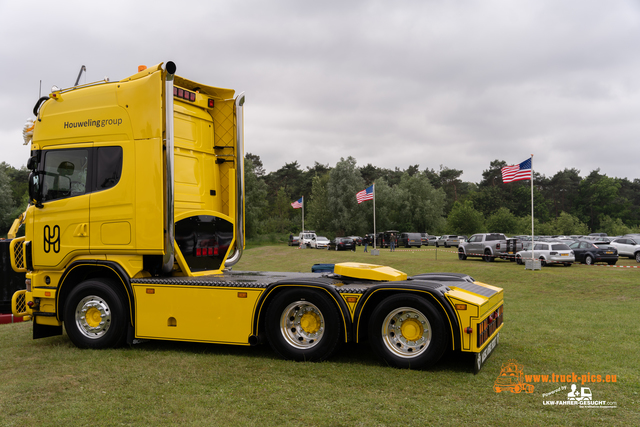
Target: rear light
207, 247
184, 94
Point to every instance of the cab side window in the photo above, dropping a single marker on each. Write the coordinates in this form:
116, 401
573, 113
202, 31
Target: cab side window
109, 167
65, 174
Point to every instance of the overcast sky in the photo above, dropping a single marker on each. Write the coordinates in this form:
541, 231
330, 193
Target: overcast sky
455, 83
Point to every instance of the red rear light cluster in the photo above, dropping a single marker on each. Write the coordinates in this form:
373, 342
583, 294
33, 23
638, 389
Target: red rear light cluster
206, 248
184, 94
488, 326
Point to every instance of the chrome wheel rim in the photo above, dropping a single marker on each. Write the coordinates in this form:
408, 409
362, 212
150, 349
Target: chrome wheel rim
93, 316
406, 332
302, 324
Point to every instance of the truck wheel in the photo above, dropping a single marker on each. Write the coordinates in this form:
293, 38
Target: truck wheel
487, 257
95, 315
407, 332
461, 255
303, 325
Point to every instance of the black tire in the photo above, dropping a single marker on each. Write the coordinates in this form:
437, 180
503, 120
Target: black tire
637, 256
425, 326
446, 246
567, 264
487, 257
519, 261
612, 262
96, 315
461, 256
588, 259
543, 262
303, 325
437, 245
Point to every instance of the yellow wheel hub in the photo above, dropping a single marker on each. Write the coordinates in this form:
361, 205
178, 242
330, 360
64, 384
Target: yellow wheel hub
93, 317
310, 322
412, 330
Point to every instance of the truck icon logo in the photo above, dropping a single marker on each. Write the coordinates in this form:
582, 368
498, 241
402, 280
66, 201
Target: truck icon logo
51, 239
511, 378
582, 395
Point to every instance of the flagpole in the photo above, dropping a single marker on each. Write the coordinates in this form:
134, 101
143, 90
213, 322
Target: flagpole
374, 215
533, 254
303, 214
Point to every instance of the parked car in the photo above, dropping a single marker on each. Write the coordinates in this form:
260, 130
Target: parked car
489, 246
628, 246
319, 242
410, 239
448, 240
305, 237
548, 253
589, 253
434, 241
293, 240
342, 244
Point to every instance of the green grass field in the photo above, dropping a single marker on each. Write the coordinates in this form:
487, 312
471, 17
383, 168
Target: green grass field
581, 320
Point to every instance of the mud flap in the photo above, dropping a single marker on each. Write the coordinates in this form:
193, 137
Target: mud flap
485, 353
44, 331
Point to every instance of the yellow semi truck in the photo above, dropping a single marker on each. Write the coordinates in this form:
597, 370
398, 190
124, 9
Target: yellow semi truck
136, 217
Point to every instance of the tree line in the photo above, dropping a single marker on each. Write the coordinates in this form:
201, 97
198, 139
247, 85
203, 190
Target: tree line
436, 201
432, 201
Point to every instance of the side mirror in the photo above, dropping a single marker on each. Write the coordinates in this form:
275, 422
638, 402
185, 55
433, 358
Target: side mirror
32, 163
35, 190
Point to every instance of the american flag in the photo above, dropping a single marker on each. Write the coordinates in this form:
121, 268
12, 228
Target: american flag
297, 204
519, 172
366, 194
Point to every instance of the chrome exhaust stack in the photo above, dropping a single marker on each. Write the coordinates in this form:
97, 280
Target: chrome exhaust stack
237, 254
168, 258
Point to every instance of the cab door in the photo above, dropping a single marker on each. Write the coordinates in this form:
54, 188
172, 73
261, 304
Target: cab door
61, 221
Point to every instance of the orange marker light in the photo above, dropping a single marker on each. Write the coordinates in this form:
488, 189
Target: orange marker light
461, 306
142, 68
151, 291
242, 294
352, 299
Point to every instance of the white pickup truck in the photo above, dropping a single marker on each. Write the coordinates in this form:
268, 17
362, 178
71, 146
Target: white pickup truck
489, 246
306, 237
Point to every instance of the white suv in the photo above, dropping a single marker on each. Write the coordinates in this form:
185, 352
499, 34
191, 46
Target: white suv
548, 253
627, 246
